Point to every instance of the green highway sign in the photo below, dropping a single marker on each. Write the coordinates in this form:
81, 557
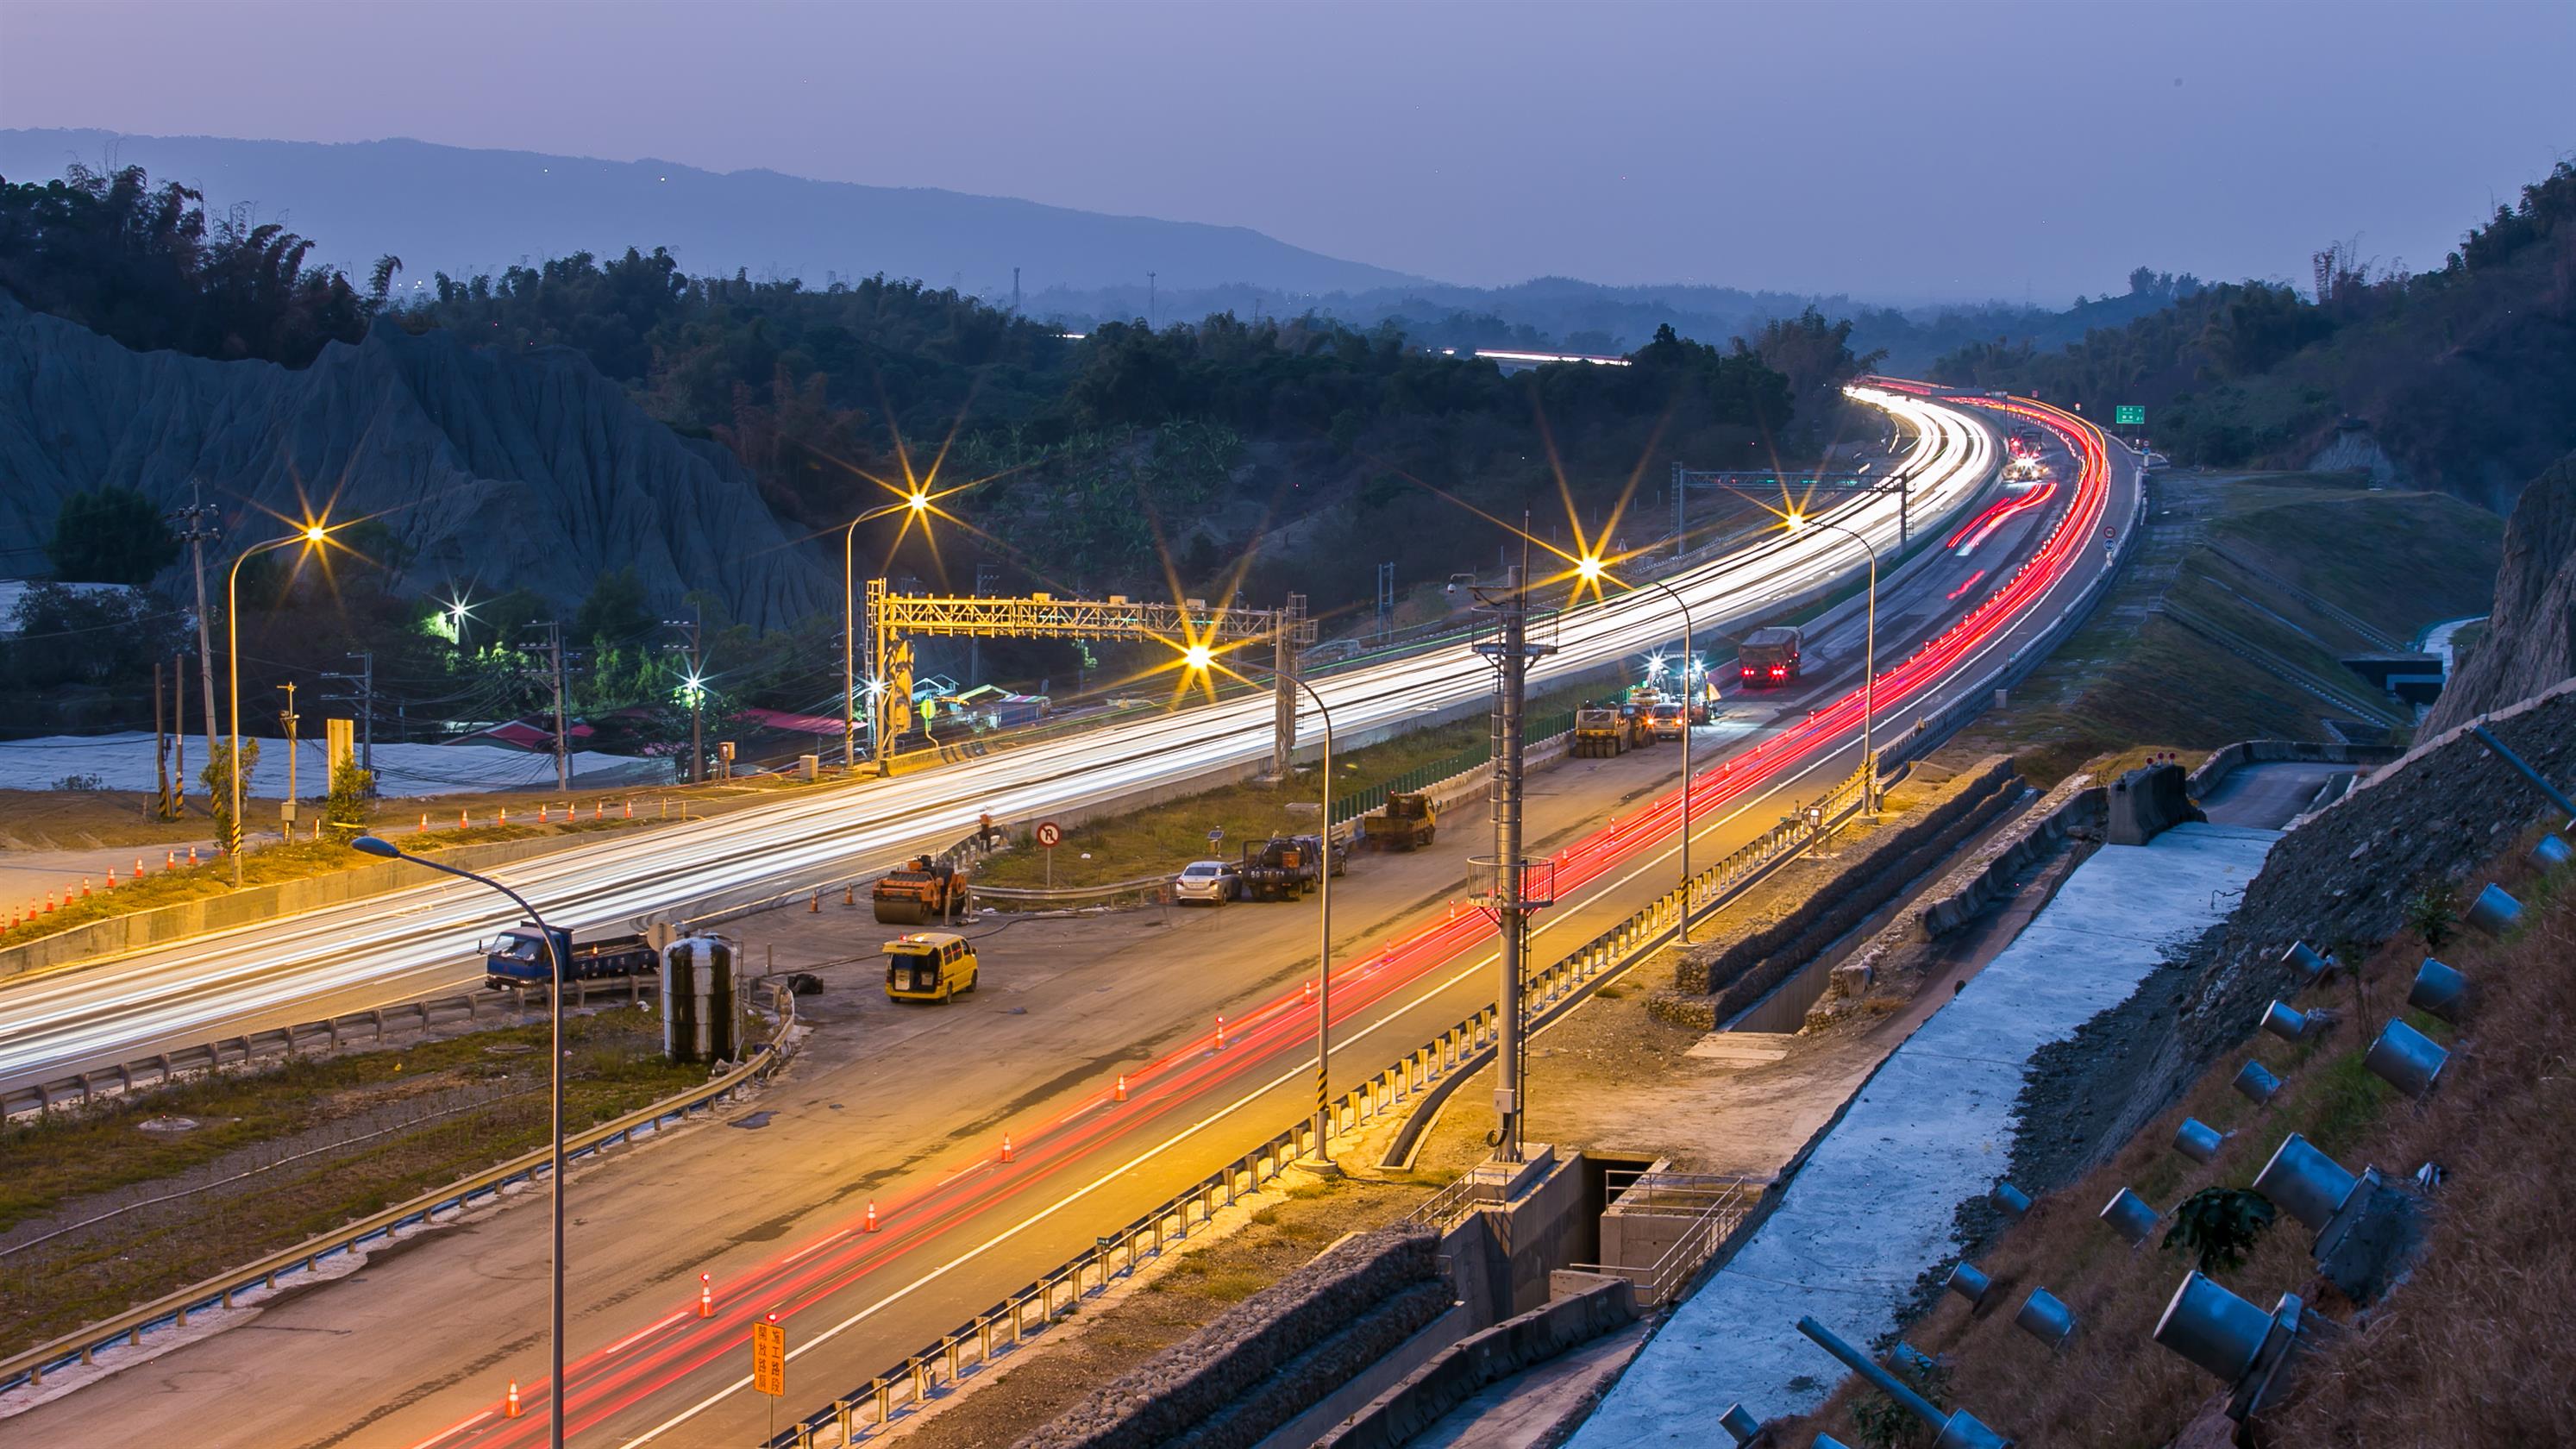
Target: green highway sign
2128, 415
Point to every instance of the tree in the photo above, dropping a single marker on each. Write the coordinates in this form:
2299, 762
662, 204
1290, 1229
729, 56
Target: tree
350, 787
110, 535
217, 777
616, 610
2221, 1225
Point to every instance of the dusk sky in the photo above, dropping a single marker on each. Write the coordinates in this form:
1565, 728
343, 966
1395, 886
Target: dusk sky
1901, 151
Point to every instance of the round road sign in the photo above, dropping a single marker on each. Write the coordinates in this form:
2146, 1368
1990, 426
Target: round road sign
1050, 834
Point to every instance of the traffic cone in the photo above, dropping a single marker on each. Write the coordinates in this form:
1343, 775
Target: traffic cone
630, 808
541, 816
1310, 988
424, 822
49, 903
462, 822
505, 817
1006, 1147
138, 867
510, 1405
706, 1296
850, 894
84, 887
170, 861
595, 807
192, 855
111, 877
1220, 1033
1120, 1093
872, 1215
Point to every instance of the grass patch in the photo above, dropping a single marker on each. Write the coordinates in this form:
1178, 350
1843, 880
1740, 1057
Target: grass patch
379, 1118
2132, 681
1163, 838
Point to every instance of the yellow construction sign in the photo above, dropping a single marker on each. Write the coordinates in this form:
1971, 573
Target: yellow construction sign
769, 1357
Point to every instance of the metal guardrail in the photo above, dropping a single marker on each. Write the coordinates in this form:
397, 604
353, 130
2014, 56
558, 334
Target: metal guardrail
1361, 802
1709, 1209
375, 1025
30, 1367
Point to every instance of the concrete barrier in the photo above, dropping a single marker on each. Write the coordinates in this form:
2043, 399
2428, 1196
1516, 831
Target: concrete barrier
1483, 1359
115, 936
2146, 802
1708, 988
1261, 1364
2227, 759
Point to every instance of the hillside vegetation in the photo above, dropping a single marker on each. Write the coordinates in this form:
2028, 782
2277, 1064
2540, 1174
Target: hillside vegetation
2465, 375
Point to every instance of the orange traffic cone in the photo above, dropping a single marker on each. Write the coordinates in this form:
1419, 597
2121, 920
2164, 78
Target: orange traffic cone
505, 816
424, 822
541, 816
1119, 1094
111, 877
850, 894
192, 855
1006, 1147
1310, 991
630, 809
872, 1215
595, 807
706, 1296
138, 867
510, 1405
84, 887
462, 820
1220, 1033
49, 903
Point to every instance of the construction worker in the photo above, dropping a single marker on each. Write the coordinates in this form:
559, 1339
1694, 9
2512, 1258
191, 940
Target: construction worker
984, 829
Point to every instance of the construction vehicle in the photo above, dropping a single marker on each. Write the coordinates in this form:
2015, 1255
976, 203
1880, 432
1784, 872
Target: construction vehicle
1270, 871
931, 966
1336, 859
1406, 823
1769, 657
1599, 733
517, 957
1637, 717
920, 891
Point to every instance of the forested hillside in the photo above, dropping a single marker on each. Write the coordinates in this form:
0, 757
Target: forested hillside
2466, 375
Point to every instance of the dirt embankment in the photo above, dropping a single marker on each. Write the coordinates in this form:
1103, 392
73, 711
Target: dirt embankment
2530, 642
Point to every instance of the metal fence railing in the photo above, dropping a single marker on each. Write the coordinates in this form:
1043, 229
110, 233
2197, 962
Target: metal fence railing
1700, 1211
132, 1326
1361, 802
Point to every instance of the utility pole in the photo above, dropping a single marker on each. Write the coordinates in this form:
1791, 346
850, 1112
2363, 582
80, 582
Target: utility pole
363, 683
554, 649
287, 717
160, 747
695, 625
1514, 888
1149, 302
197, 528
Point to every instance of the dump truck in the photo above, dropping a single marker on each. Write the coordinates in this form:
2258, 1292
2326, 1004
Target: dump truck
1600, 733
1769, 657
1406, 823
920, 891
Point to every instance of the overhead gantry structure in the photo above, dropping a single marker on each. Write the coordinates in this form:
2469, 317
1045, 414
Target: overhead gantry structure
895, 619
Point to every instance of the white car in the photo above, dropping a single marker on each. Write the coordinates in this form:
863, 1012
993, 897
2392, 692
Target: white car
1211, 881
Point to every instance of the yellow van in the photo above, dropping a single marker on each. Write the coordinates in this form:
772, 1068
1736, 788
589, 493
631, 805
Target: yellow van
929, 966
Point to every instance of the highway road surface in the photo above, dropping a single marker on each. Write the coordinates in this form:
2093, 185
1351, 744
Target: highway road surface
389, 949
909, 1114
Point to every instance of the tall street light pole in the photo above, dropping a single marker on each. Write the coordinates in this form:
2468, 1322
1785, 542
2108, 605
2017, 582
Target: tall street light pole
312, 535
372, 845
1869, 660
1590, 570
916, 502
1199, 658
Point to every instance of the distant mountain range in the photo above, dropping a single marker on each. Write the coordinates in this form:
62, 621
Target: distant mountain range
447, 208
